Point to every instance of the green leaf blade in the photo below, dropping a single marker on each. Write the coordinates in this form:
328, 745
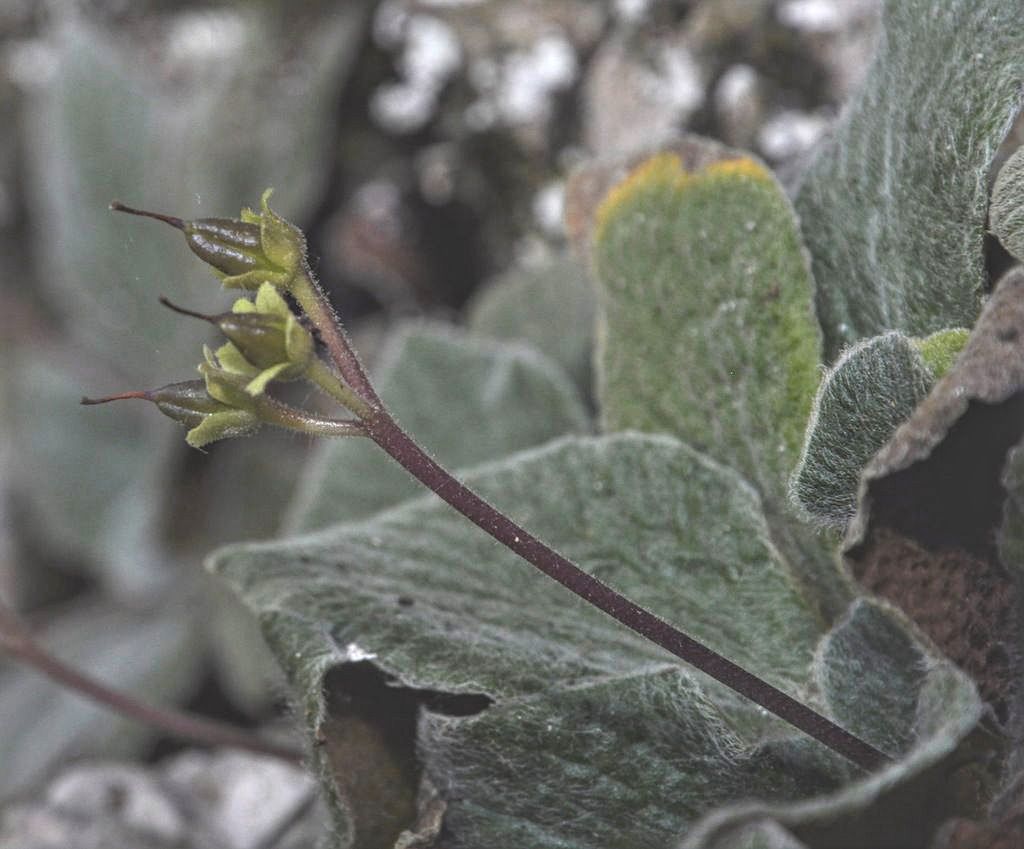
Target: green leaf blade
437, 606
893, 210
466, 400
871, 391
707, 328
896, 691
550, 307
708, 331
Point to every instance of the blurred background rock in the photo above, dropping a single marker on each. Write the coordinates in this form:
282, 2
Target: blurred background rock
423, 146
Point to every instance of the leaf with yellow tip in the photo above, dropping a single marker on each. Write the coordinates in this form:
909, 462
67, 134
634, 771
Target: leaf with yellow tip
664, 169
707, 329
741, 166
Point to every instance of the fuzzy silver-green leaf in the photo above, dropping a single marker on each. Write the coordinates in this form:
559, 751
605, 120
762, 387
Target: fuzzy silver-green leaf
550, 307
871, 390
893, 210
1006, 210
593, 735
466, 400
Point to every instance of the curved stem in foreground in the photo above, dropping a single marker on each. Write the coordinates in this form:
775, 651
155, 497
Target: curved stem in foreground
385, 431
16, 641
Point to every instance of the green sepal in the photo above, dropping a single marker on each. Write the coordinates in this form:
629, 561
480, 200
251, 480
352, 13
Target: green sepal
298, 343
223, 425
229, 358
258, 385
267, 342
227, 387
283, 243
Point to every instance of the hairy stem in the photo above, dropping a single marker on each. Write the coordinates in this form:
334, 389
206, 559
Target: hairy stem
275, 413
392, 439
17, 642
328, 381
385, 431
317, 308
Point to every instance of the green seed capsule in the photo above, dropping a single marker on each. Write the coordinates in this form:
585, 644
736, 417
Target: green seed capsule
187, 402
260, 247
266, 341
230, 250
243, 235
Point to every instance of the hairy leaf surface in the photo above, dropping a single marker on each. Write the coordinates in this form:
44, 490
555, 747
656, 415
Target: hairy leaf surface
871, 390
1006, 211
602, 738
466, 400
893, 210
550, 307
883, 683
933, 501
707, 327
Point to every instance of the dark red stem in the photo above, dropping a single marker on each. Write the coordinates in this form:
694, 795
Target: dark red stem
392, 439
121, 396
173, 220
16, 641
167, 302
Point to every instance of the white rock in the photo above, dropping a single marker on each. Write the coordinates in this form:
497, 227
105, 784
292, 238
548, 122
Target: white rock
790, 133
531, 78
631, 11
125, 793
241, 799
634, 101
431, 54
738, 104
549, 208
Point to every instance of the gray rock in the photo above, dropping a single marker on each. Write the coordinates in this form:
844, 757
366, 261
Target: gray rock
790, 134
196, 800
739, 104
124, 793
638, 94
239, 800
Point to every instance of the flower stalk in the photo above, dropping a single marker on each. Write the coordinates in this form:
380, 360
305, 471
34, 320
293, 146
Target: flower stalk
17, 642
277, 260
